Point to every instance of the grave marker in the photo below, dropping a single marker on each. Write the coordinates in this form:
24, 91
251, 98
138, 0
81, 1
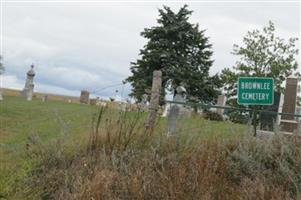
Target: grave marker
267, 120
28, 88
45, 98
221, 101
84, 97
175, 110
288, 122
93, 102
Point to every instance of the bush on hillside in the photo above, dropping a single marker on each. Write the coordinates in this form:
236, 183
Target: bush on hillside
210, 115
238, 117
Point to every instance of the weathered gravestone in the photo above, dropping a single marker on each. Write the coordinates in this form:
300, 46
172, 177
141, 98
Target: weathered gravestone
288, 122
93, 102
45, 98
166, 110
268, 120
27, 92
143, 104
84, 97
1, 96
221, 101
122, 106
174, 112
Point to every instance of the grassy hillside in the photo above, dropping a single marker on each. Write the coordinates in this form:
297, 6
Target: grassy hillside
21, 121
57, 150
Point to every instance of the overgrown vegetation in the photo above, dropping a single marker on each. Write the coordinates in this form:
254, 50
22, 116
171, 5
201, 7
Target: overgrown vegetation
113, 158
119, 161
24, 125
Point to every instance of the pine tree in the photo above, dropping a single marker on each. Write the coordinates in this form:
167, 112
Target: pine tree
183, 54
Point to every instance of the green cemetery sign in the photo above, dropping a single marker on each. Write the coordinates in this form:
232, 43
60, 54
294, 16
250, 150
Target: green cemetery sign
255, 91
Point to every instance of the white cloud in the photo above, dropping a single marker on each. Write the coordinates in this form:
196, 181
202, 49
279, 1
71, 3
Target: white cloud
10, 81
78, 46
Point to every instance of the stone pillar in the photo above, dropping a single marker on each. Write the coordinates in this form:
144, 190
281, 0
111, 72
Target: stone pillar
28, 88
154, 101
84, 97
288, 123
221, 101
29, 93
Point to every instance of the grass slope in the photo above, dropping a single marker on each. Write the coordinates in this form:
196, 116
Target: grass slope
25, 124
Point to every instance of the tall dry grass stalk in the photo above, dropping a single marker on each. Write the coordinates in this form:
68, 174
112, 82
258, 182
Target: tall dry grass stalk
120, 161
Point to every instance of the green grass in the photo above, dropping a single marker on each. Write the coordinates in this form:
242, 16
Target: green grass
22, 121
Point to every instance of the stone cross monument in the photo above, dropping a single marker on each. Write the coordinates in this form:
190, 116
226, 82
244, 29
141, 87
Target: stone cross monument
28, 88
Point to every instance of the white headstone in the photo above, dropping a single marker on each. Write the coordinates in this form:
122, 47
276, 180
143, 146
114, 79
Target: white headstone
175, 110
44, 98
221, 101
166, 110
143, 104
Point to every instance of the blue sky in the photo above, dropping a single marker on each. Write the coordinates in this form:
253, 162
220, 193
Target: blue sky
90, 45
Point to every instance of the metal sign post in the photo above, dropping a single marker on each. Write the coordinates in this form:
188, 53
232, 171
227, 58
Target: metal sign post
255, 91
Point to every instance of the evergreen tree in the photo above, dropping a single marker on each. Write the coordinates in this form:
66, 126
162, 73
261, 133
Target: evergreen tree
183, 54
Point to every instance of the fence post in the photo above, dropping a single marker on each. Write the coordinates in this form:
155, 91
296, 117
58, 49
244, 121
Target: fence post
154, 101
255, 121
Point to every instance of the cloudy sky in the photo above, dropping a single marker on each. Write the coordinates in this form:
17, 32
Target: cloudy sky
90, 45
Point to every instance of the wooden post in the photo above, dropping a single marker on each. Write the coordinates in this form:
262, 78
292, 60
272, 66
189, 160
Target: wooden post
154, 101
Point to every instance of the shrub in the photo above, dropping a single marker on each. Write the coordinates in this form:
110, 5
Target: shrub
213, 116
238, 117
